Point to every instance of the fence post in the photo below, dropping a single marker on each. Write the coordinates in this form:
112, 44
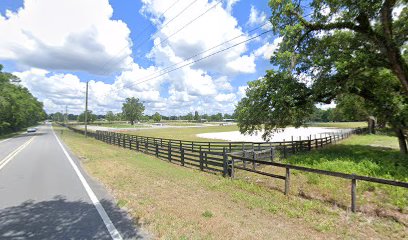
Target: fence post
310, 144
182, 156
169, 151
130, 142
157, 150
353, 194
272, 154
225, 163
137, 143
287, 181
253, 158
201, 160
124, 141
146, 146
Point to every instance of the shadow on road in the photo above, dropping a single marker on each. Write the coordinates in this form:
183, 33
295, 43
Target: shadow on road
62, 219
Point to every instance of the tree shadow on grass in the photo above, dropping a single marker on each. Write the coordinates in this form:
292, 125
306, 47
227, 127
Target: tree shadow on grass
374, 161
62, 219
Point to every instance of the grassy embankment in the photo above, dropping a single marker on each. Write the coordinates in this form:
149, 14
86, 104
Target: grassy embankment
339, 124
368, 155
174, 202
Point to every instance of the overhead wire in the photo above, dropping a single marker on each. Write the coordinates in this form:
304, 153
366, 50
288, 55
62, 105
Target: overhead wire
202, 58
207, 50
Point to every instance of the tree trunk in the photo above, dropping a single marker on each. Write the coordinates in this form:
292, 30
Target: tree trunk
401, 140
131, 122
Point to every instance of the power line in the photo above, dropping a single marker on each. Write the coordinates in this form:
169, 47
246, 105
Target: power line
207, 50
199, 16
164, 25
200, 59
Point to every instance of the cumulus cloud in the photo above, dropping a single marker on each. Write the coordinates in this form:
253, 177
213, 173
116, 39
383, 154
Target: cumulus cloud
66, 35
230, 4
268, 49
256, 17
92, 40
205, 33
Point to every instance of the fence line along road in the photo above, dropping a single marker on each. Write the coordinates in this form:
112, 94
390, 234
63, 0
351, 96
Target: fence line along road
225, 157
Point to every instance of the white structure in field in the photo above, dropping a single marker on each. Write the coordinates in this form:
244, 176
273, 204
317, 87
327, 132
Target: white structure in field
286, 134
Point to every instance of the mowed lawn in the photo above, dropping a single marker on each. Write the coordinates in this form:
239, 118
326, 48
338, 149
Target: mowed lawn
174, 202
340, 124
187, 133
367, 155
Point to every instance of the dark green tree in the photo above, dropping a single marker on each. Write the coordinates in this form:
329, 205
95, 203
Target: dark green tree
196, 116
18, 108
157, 117
341, 48
90, 117
110, 116
132, 110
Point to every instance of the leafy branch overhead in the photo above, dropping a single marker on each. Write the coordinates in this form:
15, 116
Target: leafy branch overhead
332, 50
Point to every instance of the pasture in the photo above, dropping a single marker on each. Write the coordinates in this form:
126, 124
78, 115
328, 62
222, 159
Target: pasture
176, 202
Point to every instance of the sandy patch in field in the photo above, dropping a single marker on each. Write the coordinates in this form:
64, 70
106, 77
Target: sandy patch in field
286, 134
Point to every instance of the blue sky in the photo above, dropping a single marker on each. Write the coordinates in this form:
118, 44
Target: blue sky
56, 47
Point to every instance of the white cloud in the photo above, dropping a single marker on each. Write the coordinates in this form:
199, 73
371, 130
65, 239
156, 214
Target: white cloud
230, 4
206, 32
268, 49
256, 17
66, 35
203, 86
230, 97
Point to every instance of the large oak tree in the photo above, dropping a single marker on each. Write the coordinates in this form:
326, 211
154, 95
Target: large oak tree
331, 49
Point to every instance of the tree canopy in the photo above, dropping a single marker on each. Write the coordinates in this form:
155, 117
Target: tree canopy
132, 110
350, 52
157, 117
90, 117
18, 108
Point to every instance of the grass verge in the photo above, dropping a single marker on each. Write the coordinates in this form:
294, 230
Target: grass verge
174, 202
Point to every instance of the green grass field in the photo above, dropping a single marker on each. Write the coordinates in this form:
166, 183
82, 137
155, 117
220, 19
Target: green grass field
340, 124
174, 202
188, 133
367, 155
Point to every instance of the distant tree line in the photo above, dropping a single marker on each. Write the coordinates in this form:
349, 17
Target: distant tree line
18, 107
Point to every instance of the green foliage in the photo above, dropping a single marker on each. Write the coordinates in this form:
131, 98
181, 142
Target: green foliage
18, 108
110, 117
132, 110
90, 117
196, 116
273, 102
343, 52
189, 117
157, 117
57, 117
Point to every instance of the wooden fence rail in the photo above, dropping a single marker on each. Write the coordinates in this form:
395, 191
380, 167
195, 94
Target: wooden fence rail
221, 156
289, 167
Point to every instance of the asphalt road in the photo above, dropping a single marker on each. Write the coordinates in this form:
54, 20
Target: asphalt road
45, 194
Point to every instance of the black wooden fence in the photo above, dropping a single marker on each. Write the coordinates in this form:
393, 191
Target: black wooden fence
222, 157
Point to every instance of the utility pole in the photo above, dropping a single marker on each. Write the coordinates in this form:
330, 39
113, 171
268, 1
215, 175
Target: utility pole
66, 114
86, 110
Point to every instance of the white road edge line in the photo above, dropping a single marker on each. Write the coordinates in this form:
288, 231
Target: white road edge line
5, 140
10, 157
102, 213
